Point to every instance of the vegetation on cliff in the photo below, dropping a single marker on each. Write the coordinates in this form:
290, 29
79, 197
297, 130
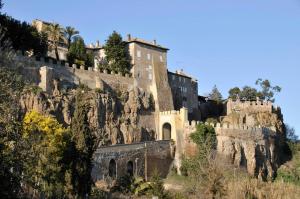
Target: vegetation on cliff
266, 92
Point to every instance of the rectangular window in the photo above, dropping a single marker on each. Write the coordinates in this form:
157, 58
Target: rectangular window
148, 56
180, 79
138, 53
150, 76
173, 77
150, 67
161, 58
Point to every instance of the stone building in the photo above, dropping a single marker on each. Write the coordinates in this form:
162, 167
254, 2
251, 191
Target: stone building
185, 93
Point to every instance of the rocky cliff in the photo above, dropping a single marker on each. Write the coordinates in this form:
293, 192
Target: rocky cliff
252, 135
113, 115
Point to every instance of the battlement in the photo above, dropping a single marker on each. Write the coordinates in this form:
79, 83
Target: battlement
174, 112
42, 61
191, 126
251, 106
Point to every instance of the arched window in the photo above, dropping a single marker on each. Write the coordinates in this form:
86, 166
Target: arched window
112, 169
130, 168
166, 133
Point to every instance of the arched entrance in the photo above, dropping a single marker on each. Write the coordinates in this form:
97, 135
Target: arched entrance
112, 168
130, 168
166, 132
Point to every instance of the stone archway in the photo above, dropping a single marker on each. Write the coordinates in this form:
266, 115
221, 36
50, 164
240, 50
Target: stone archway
130, 168
166, 131
112, 169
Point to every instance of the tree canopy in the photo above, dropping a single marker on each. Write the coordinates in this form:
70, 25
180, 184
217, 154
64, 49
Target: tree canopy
70, 33
46, 142
116, 53
78, 54
266, 91
55, 37
83, 142
23, 36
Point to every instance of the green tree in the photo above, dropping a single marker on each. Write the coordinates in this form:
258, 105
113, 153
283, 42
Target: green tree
77, 51
55, 36
249, 93
267, 90
69, 33
84, 147
234, 93
116, 53
78, 54
10, 127
215, 94
23, 36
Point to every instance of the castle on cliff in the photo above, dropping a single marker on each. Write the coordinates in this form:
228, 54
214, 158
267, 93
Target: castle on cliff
176, 113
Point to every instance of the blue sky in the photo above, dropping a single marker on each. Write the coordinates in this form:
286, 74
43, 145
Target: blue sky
227, 43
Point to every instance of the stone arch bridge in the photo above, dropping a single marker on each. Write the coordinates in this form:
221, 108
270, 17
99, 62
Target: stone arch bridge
140, 159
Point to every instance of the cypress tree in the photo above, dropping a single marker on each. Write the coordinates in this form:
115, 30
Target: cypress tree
83, 141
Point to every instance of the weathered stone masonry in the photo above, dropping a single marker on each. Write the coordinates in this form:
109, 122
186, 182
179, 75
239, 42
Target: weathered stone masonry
140, 159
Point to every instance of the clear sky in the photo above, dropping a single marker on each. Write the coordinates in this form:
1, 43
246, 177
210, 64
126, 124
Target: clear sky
227, 43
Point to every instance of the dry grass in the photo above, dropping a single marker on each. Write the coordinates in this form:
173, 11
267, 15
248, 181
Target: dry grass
246, 188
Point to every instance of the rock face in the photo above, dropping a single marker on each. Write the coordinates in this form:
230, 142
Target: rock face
252, 135
254, 149
113, 117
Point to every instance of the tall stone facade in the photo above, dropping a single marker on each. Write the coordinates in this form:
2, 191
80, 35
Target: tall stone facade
185, 93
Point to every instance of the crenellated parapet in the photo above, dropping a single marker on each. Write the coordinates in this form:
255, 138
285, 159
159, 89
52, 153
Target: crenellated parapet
226, 128
250, 106
173, 112
26, 61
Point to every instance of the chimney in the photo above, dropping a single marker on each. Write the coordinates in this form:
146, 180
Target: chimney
128, 37
154, 41
97, 44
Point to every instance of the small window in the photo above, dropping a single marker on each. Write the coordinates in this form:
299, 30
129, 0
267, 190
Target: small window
150, 67
180, 79
173, 77
138, 53
161, 58
184, 80
150, 76
148, 56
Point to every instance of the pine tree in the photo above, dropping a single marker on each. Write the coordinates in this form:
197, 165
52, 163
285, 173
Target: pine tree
84, 147
116, 53
215, 94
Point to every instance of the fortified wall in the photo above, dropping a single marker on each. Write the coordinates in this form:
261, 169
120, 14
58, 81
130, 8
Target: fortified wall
43, 72
250, 106
140, 159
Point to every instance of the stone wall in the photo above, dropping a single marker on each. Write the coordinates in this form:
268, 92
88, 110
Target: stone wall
184, 91
70, 75
249, 106
146, 157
